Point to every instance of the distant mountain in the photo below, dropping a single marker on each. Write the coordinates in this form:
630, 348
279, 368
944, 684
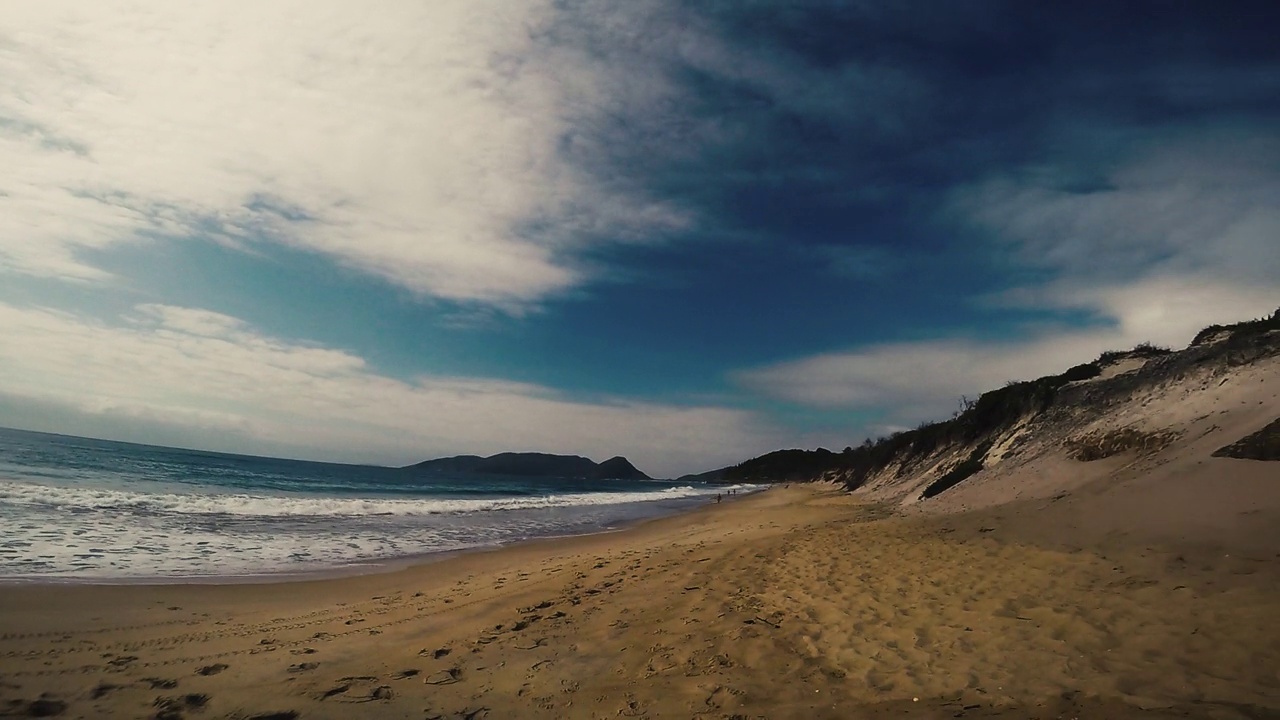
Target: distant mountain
461, 464
532, 465
619, 468
710, 476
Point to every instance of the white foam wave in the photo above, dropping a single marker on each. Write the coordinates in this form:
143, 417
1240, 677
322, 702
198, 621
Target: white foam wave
250, 505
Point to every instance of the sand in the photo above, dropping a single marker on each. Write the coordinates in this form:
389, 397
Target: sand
803, 601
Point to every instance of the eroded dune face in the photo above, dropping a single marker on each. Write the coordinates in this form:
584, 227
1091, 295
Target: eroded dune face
1131, 414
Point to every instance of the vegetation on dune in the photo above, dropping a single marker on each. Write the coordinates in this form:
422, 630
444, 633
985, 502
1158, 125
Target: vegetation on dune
1240, 330
992, 411
972, 429
1144, 351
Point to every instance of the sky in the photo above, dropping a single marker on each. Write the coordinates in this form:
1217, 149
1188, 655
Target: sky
684, 232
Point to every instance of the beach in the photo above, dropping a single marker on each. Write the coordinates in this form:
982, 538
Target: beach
801, 601
559, 360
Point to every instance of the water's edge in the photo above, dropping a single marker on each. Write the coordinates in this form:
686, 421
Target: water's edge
378, 566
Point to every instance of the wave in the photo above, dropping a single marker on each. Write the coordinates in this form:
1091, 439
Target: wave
251, 505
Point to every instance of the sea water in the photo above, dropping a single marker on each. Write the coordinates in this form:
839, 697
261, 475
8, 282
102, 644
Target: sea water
94, 510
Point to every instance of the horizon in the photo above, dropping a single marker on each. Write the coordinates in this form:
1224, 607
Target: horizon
292, 459
687, 236
868, 438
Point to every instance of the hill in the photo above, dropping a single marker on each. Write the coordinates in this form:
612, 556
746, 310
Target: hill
532, 465
710, 476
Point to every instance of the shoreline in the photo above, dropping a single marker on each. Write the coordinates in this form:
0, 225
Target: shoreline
383, 567
796, 602
373, 567
360, 568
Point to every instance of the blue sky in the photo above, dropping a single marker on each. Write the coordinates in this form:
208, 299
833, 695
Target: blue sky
687, 233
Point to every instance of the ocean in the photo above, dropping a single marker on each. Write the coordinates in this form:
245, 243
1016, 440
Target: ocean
78, 509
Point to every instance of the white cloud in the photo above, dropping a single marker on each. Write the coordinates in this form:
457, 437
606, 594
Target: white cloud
418, 142
1201, 206
224, 381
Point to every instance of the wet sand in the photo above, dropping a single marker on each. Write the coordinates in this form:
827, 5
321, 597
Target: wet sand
797, 602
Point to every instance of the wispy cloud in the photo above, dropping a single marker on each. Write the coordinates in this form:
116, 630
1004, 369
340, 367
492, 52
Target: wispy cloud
217, 377
1184, 203
420, 143
1180, 236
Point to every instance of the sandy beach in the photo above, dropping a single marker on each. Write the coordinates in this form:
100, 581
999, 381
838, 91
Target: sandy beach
802, 601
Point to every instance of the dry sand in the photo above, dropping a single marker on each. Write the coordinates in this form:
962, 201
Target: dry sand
799, 602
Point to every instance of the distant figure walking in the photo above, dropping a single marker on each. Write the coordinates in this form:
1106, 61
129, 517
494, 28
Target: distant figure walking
718, 497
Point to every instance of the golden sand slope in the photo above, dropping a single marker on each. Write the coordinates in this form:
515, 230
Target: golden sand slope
797, 602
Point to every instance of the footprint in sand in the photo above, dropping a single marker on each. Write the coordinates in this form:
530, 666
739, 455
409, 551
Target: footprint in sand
213, 669
335, 690
444, 677
46, 707
170, 708
346, 684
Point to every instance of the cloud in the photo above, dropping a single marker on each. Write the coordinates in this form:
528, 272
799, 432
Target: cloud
860, 263
421, 143
707, 101
1185, 204
231, 386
